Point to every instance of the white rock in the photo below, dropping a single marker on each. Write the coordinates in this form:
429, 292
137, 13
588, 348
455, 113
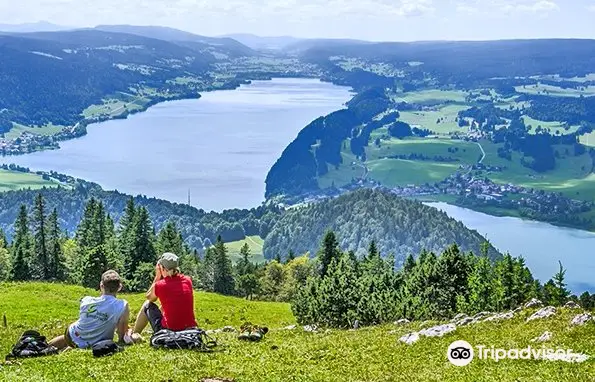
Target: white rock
581, 319
458, 317
290, 327
402, 321
572, 357
533, 303
310, 328
572, 305
438, 331
500, 316
546, 336
466, 321
542, 313
481, 315
410, 338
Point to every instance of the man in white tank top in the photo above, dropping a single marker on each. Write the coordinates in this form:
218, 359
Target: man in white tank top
99, 317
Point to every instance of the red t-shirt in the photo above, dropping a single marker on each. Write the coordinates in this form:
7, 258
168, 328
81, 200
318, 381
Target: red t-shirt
177, 302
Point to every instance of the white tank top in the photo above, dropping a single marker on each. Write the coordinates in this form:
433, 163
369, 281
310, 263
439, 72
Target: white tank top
97, 321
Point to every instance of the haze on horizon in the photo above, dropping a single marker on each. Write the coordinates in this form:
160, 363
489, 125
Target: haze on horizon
376, 20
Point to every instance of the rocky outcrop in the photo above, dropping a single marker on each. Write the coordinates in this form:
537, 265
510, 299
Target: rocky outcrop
310, 328
438, 331
548, 311
410, 338
500, 316
533, 303
402, 321
572, 305
581, 319
546, 336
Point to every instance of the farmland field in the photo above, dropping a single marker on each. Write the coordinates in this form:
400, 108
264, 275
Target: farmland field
15, 180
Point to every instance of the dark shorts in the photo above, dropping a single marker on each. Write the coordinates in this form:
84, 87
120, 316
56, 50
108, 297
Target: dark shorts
154, 316
68, 339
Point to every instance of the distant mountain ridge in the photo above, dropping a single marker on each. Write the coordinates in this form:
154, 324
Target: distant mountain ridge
40, 26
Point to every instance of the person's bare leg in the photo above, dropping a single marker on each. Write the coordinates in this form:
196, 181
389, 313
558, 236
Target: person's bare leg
141, 320
59, 342
122, 328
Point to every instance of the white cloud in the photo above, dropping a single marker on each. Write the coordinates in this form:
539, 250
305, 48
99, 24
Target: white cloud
495, 7
542, 6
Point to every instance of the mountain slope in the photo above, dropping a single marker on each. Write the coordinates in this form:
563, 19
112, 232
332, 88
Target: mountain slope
224, 44
369, 354
398, 226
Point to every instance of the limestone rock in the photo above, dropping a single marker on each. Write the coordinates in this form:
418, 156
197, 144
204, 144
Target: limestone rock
481, 315
581, 319
572, 305
290, 327
465, 321
500, 316
402, 321
546, 336
410, 338
533, 303
458, 317
542, 313
310, 328
572, 358
438, 331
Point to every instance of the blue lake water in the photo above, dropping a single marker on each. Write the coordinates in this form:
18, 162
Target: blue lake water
541, 244
220, 147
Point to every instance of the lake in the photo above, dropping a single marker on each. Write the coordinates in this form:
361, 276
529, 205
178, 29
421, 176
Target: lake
541, 244
219, 147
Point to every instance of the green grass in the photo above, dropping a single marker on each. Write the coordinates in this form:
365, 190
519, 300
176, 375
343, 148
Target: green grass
17, 130
466, 152
433, 96
112, 107
553, 126
555, 90
369, 354
572, 175
428, 119
16, 180
254, 243
399, 172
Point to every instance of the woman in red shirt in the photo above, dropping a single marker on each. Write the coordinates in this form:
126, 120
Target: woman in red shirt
174, 292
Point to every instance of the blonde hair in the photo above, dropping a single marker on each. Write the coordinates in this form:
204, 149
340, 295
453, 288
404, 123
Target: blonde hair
172, 272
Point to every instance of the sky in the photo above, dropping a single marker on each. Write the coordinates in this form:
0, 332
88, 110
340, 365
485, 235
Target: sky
377, 20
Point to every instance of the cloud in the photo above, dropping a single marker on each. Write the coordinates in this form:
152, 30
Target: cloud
498, 7
542, 6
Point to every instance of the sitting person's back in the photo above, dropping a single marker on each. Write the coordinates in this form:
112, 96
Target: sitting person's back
97, 321
174, 292
99, 317
177, 302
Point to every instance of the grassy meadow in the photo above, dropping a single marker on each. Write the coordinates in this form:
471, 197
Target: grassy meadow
255, 244
368, 354
16, 180
18, 130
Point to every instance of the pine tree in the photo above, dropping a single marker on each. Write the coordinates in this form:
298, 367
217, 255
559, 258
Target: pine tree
91, 240
409, 264
4, 260
208, 270
142, 240
223, 280
21, 248
290, 256
125, 237
373, 250
170, 239
328, 252
561, 292
278, 258
56, 261
41, 263
482, 287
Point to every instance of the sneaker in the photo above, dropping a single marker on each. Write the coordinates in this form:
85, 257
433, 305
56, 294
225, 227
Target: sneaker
245, 331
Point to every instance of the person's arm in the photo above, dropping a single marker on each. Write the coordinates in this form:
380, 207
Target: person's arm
122, 327
150, 295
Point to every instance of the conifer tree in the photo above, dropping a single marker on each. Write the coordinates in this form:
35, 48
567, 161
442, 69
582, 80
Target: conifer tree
21, 250
223, 272
125, 237
40, 262
90, 237
373, 250
170, 239
57, 263
4, 260
561, 294
328, 252
208, 270
142, 240
290, 256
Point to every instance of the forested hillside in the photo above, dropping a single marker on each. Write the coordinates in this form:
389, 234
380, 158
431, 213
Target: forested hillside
398, 226
199, 228
51, 77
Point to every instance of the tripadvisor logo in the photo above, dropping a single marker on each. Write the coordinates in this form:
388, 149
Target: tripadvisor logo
460, 353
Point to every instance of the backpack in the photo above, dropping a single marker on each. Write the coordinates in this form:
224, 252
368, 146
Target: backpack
31, 344
194, 339
105, 347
